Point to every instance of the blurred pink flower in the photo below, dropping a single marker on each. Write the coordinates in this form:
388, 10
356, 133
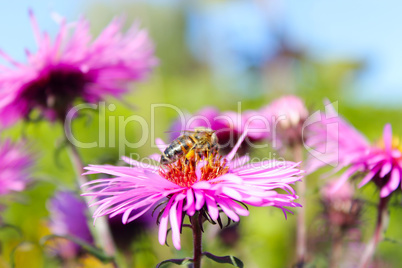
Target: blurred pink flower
73, 67
341, 209
340, 146
67, 217
208, 186
381, 162
286, 116
15, 164
228, 126
344, 193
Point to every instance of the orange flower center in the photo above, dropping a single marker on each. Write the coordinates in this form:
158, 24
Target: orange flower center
395, 143
183, 171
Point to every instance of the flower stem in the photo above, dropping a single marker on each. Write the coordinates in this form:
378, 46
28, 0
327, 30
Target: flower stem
197, 239
301, 243
102, 235
382, 215
336, 249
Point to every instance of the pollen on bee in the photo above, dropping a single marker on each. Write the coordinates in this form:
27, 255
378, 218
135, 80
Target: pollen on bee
183, 172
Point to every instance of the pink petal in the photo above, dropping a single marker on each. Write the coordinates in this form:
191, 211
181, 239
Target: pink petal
396, 154
202, 185
345, 176
239, 209
164, 182
393, 183
227, 210
35, 27
200, 200
232, 193
164, 222
189, 200
174, 223
136, 216
161, 144
240, 161
386, 168
369, 176
387, 136
180, 211
232, 153
212, 207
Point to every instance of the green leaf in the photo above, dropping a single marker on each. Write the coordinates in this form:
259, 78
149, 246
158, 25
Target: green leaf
184, 261
13, 227
391, 240
96, 252
225, 259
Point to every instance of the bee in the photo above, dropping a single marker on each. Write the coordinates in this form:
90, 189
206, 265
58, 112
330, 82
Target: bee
201, 141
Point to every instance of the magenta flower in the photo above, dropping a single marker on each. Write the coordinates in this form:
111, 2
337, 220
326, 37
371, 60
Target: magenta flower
67, 217
73, 67
228, 125
286, 116
381, 162
15, 164
339, 146
187, 187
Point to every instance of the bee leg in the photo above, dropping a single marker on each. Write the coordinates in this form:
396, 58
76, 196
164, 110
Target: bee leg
210, 156
190, 154
200, 155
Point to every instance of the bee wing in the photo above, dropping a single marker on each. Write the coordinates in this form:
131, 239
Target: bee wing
180, 131
192, 131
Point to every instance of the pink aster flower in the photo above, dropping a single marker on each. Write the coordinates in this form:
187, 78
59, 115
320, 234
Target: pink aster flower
205, 186
341, 214
287, 115
71, 67
335, 140
228, 126
341, 209
15, 164
381, 162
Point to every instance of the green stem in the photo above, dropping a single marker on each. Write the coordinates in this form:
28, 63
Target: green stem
381, 225
301, 241
103, 235
197, 239
336, 249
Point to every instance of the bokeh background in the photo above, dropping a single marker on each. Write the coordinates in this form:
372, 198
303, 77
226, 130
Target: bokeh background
219, 53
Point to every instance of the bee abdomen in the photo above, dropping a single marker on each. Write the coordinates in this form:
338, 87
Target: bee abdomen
177, 148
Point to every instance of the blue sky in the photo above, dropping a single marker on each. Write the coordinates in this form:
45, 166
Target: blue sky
361, 29
15, 28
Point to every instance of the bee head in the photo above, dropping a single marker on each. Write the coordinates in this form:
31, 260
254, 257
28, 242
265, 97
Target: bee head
164, 160
204, 129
